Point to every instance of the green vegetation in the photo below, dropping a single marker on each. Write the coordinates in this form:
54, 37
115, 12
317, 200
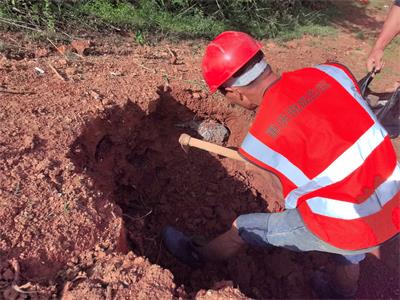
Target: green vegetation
360, 35
311, 29
380, 4
286, 19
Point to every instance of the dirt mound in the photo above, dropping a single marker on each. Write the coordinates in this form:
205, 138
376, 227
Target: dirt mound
221, 290
97, 275
130, 277
117, 277
81, 153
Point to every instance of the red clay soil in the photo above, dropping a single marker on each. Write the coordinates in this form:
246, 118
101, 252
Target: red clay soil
91, 168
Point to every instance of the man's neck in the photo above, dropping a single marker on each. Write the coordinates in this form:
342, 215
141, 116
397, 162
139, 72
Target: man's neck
264, 84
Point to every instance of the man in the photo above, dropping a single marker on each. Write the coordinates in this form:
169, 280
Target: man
390, 29
336, 163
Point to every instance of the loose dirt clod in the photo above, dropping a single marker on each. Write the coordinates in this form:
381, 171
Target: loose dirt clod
209, 130
95, 94
81, 46
213, 132
174, 56
41, 52
121, 277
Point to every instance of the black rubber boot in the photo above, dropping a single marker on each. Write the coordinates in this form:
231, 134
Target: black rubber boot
182, 247
324, 286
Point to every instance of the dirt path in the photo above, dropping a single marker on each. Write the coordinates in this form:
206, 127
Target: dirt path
91, 167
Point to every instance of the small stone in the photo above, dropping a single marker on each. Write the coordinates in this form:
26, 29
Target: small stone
41, 52
212, 131
204, 95
70, 71
63, 62
39, 71
196, 95
108, 102
117, 73
75, 260
95, 95
28, 143
63, 49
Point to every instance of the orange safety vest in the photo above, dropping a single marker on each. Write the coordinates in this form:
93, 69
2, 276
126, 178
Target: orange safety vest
335, 161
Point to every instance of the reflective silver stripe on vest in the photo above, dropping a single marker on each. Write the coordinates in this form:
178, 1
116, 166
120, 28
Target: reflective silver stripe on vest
350, 211
343, 166
271, 158
345, 81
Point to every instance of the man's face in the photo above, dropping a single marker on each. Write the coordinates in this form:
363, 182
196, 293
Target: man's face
235, 95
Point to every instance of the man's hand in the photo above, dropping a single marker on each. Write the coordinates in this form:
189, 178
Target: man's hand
390, 29
375, 60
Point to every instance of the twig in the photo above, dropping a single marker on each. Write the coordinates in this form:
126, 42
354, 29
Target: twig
171, 52
186, 10
63, 54
56, 72
18, 288
17, 93
15, 21
139, 218
144, 67
109, 293
77, 54
67, 35
174, 57
113, 27
20, 26
79, 277
219, 7
17, 271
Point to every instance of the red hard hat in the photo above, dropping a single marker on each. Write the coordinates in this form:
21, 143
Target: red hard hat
225, 55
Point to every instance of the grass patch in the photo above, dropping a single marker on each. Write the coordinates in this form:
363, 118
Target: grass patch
148, 18
285, 19
380, 4
301, 30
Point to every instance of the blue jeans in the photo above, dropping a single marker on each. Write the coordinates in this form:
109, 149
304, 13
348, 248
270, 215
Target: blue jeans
287, 230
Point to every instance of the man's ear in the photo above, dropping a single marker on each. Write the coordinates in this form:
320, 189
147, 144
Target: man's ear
232, 89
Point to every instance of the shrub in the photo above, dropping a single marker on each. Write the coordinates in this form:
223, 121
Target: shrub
183, 18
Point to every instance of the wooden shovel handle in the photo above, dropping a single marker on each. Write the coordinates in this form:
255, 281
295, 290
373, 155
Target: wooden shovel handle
187, 140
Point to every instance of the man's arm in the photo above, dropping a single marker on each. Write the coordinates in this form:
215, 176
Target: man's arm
390, 29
